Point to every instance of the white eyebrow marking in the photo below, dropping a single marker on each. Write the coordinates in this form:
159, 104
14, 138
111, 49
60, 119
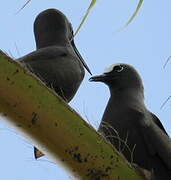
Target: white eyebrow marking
110, 68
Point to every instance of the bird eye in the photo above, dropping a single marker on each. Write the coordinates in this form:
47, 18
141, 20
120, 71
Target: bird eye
118, 68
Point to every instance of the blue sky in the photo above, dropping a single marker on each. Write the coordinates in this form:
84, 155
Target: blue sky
145, 44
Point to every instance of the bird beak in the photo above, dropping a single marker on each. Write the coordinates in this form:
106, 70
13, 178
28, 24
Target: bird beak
100, 78
79, 56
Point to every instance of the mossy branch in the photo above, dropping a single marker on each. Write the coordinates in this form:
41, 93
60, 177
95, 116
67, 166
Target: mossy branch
56, 129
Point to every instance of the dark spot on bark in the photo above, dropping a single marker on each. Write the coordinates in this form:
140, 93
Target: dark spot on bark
4, 114
33, 121
96, 174
29, 86
66, 150
111, 157
112, 162
108, 169
8, 79
70, 152
76, 148
20, 116
88, 154
81, 134
15, 72
77, 157
19, 125
56, 124
14, 105
75, 154
34, 118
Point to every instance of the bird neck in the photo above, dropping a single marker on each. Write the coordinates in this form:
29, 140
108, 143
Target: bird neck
49, 40
128, 97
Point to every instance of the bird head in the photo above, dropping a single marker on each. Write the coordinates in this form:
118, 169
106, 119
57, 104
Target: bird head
119, 76
51, 27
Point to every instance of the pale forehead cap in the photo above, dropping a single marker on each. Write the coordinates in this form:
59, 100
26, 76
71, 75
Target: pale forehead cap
110, 68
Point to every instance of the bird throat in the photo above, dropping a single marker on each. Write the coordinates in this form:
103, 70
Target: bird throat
128, 97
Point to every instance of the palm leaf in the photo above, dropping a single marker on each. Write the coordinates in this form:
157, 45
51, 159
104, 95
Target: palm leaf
93, 2
24, 6
133, 16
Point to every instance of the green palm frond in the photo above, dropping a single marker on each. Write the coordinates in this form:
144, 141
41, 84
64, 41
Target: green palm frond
24, 6
133, 16
93, 2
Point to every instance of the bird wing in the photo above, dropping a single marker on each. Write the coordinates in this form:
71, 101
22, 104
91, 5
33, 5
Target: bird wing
159, 124
44, 60
155, 137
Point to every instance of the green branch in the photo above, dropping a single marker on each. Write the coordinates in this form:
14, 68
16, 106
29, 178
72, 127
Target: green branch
56, 129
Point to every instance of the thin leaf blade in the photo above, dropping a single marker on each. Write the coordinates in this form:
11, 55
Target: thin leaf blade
93, 2
133, 15
24, 6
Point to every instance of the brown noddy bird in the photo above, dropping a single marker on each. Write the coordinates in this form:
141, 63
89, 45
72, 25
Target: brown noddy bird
130, 126
56, 60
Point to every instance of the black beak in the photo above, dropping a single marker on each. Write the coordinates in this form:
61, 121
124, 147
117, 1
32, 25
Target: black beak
79, 56
100, 78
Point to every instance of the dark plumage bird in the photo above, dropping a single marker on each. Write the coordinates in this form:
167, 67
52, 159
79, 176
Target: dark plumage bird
129, 126
56, 61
